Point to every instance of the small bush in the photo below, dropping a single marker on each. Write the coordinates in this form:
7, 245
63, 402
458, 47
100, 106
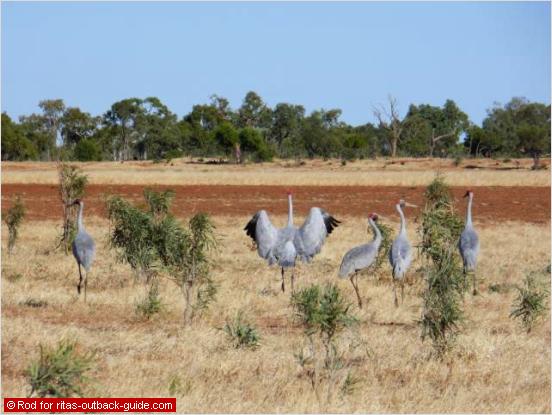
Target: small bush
132, 235
240, 333
14, 277
445, 280
324, 314
151, 304
386, 242
59, 372
72, 183
13, 220
159, 203
322, 311
530, 304
34, 303
501, 288
457, 161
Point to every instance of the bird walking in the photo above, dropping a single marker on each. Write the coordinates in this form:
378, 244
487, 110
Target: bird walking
84, 249
361, 257
400, 254
469, 243
283, 246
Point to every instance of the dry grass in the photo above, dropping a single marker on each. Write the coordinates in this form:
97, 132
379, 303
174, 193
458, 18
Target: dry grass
400, 172
497, 366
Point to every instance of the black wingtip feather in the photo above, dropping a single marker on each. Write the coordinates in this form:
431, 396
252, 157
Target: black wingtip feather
251, 227
331, 223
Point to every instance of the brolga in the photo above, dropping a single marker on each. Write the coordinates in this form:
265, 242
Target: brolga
84, 249
400, 254
469, 243
283, 246
361, 257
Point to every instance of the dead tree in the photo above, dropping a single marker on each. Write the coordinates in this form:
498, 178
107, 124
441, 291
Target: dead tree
389, 120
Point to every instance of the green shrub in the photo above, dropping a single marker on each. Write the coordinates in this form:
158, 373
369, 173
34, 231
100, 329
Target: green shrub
87, 150
324, 314
13, 220
131, 236
72, 183
457, 161
34, 303
530, 303
59, 372
445, 281
240, 333
151, 304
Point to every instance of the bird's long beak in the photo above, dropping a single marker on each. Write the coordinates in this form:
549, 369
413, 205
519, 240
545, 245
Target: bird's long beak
410, 205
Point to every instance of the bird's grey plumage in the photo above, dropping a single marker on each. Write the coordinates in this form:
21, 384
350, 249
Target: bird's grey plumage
283, 246
469, 241
400, 254
469, 244
84, 249
361, 257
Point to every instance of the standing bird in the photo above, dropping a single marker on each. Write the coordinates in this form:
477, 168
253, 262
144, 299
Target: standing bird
361, 257
84, 249
469, 243
283, 246
400, 254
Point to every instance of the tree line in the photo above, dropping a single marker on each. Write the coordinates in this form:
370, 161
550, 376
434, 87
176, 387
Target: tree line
146, 129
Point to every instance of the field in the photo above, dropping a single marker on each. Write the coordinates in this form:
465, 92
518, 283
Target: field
495, 367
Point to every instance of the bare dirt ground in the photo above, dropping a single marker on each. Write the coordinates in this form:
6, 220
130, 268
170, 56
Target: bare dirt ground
492, 204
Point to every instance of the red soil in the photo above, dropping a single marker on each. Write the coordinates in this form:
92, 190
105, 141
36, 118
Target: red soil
491, 204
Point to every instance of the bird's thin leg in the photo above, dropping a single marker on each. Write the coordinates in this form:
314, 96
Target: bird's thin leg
402, 292
283, 281
474, 284
395, 293
292, 280
355, 286
80, 280
85, 284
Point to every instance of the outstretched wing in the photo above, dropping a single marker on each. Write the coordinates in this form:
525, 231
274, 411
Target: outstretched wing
312, 235
265, 235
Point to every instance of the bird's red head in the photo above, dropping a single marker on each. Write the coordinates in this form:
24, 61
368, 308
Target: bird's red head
288, 192
373, 216
402, 203
468, 192
77, 202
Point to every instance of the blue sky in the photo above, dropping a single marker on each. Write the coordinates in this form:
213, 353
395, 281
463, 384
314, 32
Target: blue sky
321, 55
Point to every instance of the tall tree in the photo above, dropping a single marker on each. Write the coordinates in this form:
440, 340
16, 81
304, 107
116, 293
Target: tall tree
254, 112
52, 112
15, 146
390, 122
77, 125
123, 117
286, 122
433, 127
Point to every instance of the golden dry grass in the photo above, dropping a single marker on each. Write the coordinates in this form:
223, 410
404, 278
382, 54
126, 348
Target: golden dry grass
497, 366
385, 172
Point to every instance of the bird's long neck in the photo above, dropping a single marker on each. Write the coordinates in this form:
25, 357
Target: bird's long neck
290, 211
468, 214
403, 220
377, 233
80, 226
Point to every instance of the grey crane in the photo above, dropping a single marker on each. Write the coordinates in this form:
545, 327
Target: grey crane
469, 243
283, 246
400, 254
361, 257
84, 249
